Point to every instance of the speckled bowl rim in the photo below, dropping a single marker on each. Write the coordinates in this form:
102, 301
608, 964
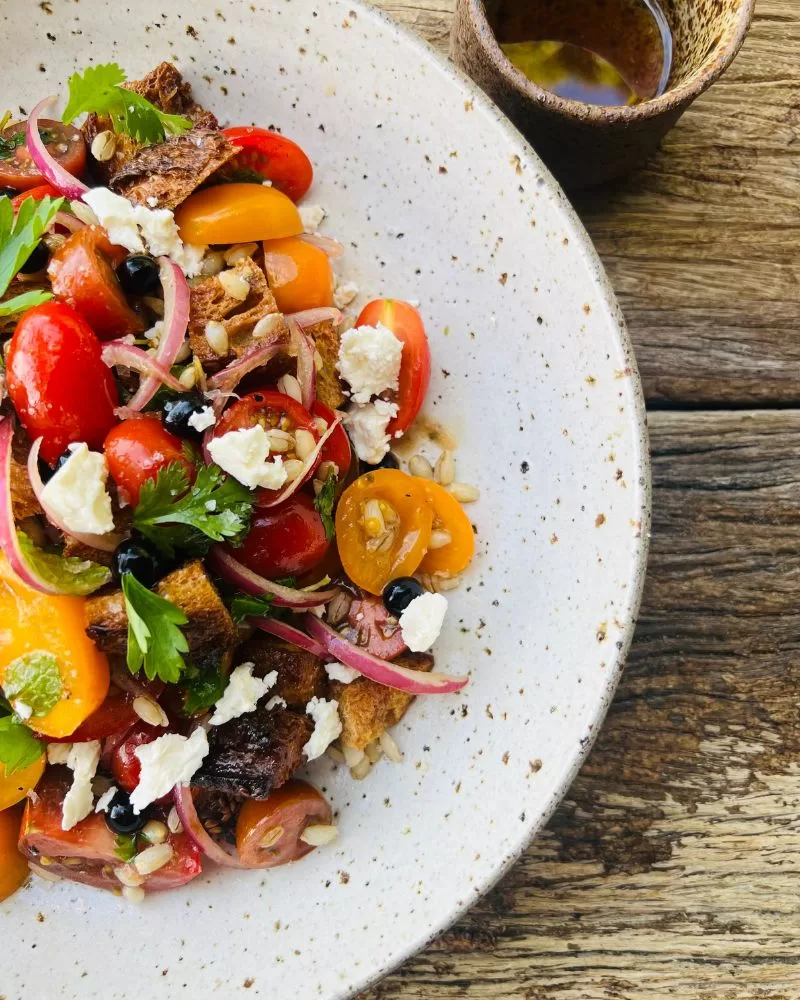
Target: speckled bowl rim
640, 544
590, 114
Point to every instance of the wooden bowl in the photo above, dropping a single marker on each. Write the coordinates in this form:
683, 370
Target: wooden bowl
586, 144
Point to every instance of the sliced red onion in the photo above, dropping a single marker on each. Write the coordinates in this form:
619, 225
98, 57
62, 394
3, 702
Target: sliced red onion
309, 464
8, 529
68, 221
245, 579
224, 382
333, 248
289, 634
176, 320
115, 352
197, 833
381, 671
105, 543
310, 317
302, 347
49, 167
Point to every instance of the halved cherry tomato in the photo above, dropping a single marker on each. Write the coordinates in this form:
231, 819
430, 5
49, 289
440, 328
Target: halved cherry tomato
383, 526
13, 866
237, 213
82, 275
116, 715
43, 623
125, 765
17, 168
370, 625
287, 540
449, 516
37, 193
136, 450
337, 448
415, 371
14, 787
268, 830
57, 381
300, 275
272, 410
92, 842
270, 156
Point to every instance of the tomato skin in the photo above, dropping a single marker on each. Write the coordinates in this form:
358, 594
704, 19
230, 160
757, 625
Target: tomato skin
38, 192
287, 540
19, 170
13, 865
14, 787
300, 275
337, 448
449, 515
137, 449
271, 155
125, 765
114, 716
292, 808
82, 276
237, 213
57, 381
415, 371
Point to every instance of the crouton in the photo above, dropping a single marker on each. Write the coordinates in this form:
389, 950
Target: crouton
327, 338
301, 675
210, 626
367, 709
23, 499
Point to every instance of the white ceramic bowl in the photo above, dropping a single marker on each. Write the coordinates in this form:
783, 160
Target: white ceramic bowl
437, 199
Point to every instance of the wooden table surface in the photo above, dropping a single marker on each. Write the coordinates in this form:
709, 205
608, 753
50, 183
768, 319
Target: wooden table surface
672, 869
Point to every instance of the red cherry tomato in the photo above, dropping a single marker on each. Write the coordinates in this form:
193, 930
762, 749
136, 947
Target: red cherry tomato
406, 324
337, 448
268, 831
38, 192
369, 624
287, 540
125, 765
137, 449
57, 381
271, 409
114, 716
64, 143
269, 156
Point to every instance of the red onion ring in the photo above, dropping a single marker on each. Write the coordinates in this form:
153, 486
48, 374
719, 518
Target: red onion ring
309, 464
245, 579
301, 346
289, 634
310, 317
68, 221
333, 248
176, 320
49, 167
104, 543
381, 671
197, 833
115, 352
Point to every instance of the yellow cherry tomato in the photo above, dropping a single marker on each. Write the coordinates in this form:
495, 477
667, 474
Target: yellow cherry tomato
448, 516
237, 213
13, 867
41, 623
383, 526
14, 787
300, 275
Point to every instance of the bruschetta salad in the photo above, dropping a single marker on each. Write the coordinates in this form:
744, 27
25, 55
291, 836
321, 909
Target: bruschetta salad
214, 568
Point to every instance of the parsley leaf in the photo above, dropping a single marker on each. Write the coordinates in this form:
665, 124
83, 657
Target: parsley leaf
324, 502
154, 639
244, 605
173, 515
19, 748
19, 237
203, 688
98, 90
125, 846
34, 678
71, 574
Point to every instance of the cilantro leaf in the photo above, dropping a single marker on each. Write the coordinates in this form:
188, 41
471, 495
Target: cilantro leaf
173, 515
19, 237
71, 574
154, 639
98, 90
34, 678
244, 605
203, 688
19, 748
125, 846
324, 502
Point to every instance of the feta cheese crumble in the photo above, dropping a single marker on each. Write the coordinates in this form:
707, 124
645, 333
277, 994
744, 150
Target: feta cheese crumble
311, 216
201, 420
139, 228
340, 672
23, 710
369, 360
105, 800
166, 762
366, 426
57, 753
77, 492
244, 455
344, 294
327, 726
242, 694
422, 620
276, 702
82, 759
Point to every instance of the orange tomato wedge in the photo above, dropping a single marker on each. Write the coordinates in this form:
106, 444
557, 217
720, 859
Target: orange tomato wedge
300, 275
14, 787
13, 867
268, 831
449, 516
40, 623
237, 213
383, 526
